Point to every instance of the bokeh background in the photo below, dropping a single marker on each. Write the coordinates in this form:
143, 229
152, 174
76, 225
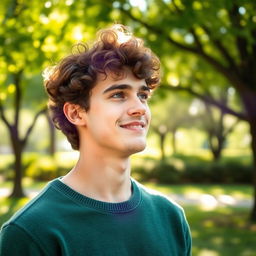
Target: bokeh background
202, 144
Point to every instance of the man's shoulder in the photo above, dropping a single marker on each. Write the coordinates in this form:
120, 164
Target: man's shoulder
158, 198
35, 210
30, 226
162, 206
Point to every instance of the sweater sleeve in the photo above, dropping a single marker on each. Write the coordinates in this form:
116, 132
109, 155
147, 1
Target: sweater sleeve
188, 242
188, 238
15, 241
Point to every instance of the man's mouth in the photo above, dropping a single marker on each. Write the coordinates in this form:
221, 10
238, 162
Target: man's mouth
135, 125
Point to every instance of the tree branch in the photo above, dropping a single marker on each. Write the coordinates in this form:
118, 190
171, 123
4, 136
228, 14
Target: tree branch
209, 116
231, 128
2, 114
17, 98
158, 31
206, 99
198, 43
172, 7
241, 42
227, 72
253, 33
176, 6
167, 6
29, 130
10, 11
224, 52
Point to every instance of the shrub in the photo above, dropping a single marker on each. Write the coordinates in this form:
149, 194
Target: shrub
43, 169
178, 169
169, 171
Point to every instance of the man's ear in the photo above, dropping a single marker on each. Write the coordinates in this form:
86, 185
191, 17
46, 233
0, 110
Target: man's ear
74, 113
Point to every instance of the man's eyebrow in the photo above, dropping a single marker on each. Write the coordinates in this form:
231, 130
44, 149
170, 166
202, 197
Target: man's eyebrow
144, 88
124, 87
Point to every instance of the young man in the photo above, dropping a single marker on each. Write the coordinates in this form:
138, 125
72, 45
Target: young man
98, 98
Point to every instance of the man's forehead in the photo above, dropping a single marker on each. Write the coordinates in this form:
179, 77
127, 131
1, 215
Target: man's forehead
118, 76
122, 86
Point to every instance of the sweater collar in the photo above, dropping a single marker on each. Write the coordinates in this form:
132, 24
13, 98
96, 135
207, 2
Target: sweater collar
115, 208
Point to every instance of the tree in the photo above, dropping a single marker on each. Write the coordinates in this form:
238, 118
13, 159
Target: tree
221, 33
170, 114
14, 62
33, 35
215, 122
52, 132
217, 131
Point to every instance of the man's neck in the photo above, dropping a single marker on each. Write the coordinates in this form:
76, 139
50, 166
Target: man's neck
104, 179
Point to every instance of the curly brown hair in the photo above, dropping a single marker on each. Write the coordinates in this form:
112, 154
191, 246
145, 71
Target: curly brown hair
74, 77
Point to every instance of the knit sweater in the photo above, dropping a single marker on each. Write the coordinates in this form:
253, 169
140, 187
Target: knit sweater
61, 221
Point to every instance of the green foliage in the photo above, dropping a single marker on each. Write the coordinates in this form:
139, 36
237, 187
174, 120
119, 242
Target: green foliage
37, 167
7, 165
46, 168
180, 169
174, 170
201, 44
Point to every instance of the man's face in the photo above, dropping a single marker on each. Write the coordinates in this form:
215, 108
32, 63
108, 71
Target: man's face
118, 119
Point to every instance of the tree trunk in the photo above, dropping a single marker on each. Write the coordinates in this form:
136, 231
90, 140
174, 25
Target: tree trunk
216, 154
253, 144
216, 148
249, 100
18, 169
174, 146
52, 131
162, 140
17, 185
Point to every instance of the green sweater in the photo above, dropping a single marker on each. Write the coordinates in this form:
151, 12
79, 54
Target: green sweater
60, 221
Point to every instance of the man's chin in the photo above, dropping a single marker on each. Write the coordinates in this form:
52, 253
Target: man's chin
136, 148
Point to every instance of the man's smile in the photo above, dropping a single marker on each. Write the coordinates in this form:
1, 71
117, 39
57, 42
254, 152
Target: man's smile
134, 125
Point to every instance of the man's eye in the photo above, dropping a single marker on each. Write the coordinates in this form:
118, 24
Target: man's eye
118, 95
143, 96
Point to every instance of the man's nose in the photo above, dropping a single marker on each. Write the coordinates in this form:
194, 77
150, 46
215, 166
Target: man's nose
137, 108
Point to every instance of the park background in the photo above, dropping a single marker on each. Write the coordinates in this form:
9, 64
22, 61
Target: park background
202, 143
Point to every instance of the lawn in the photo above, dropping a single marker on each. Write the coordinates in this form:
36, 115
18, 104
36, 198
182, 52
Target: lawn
221, 231
237, 191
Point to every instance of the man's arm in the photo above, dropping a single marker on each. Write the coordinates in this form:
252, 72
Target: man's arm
187, 235
189, 242
15, 241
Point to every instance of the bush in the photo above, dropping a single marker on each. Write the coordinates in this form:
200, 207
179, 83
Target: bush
7, 164
178, 169
166, 173
42, 169
37, 166
191, 171
46, 168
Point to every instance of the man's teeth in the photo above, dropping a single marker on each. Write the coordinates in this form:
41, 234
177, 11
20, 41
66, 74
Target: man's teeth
133, 126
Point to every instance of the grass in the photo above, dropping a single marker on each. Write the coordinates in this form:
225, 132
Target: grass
223, 231
237, 191
220, 232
